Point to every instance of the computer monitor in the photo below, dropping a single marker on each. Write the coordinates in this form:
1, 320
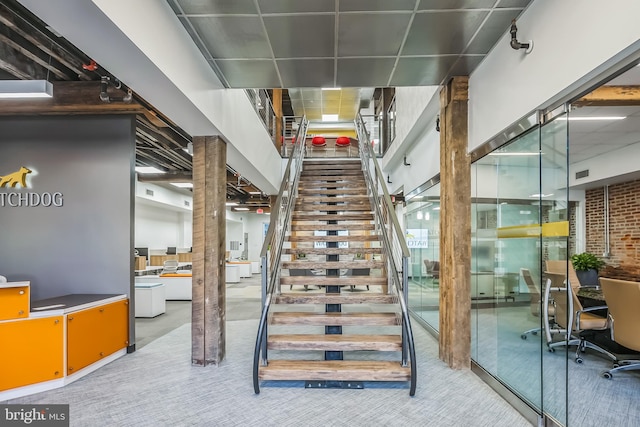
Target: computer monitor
143, 252
171, 250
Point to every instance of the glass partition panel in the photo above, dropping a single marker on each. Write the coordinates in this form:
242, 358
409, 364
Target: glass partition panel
422, 222
505, 254
554, 208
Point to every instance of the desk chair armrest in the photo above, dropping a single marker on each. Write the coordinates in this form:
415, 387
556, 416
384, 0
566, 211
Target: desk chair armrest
588, 309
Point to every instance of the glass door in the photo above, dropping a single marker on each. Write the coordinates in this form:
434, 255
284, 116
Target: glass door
519, 220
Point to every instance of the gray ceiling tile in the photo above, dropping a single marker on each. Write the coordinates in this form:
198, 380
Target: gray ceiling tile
455, 4
494, 27
296, 6
249, 73
422, 71
364, 72
217, 6
376, 5
442, 33
514, 3
233, 36
371, 34
465, 65
306, 72
296, 36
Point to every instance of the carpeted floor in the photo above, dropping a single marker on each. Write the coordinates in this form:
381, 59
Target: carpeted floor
157, 386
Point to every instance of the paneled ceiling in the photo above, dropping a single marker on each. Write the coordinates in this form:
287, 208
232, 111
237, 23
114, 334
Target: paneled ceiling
344, 43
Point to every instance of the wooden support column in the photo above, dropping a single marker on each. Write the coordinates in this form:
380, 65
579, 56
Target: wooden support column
209, 233
455, 226
277, 111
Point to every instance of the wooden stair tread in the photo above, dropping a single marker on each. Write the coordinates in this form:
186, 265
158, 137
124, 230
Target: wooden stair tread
337, 342
331, 319
330, 172
324, 166
332, 227
332, 208
332, 251
332, 264
369, 238
333, 280
345, 370
358, 198
332, 217
335, 191
342, 298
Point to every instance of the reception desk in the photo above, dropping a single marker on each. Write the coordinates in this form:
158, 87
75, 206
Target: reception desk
61, 340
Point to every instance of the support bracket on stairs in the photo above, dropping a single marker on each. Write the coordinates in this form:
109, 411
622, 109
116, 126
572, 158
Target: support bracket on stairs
334, 384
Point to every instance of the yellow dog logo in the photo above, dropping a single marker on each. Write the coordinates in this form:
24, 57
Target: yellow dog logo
15, 178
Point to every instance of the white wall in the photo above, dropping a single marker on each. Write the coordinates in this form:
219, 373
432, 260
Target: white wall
158, 228
239, 223
572, 40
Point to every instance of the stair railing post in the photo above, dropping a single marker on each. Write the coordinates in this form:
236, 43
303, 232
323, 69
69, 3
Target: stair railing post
405, 292
265, 281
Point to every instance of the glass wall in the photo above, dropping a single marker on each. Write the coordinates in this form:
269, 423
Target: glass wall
422, 225
519, 220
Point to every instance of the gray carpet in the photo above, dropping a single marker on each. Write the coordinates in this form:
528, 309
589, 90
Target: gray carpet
157, 386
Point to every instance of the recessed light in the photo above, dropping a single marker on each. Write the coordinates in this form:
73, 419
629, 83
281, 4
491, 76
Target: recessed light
231, 204
182, 184
331, 88
255, 192
329, 117
148, 169
241, 209
541, 195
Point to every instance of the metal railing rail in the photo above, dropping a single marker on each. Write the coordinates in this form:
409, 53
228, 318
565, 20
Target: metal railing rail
264, 109
271, 253
395, 250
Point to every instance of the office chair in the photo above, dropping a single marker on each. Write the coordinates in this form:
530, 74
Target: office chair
571, 319
170, 266
535, 303
564, 267
623, 300
318, 141
342, 142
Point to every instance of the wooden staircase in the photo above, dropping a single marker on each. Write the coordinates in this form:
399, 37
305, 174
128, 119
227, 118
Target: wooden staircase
334, 319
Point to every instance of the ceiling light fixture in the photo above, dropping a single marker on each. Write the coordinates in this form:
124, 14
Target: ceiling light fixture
182, 184
148, 169
26, 89
231, 204
331, 88
541, 195
329, 117
241, 209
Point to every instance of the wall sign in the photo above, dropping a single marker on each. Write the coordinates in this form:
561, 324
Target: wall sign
18, 199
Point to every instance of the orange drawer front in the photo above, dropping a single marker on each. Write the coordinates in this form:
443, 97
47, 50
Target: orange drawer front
96, 333
14, 303
32, 351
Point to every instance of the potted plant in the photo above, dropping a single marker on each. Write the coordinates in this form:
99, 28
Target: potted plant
586, 266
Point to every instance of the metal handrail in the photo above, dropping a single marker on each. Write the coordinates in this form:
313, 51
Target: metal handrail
271, 252
264, 109
394, 247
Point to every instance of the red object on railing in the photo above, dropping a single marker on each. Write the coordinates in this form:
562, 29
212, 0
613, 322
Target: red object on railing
343, 141
318, 141
91, 66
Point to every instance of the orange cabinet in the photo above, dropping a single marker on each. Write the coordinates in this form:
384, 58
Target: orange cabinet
96, 333
14, 301
32, 351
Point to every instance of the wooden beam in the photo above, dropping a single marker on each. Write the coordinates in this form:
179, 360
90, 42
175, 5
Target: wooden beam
208, 281
455, 226
611, 96
166, 177
71, 98
277, 111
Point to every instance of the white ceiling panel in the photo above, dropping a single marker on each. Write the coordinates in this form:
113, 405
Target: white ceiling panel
296, 6
455, 4
376, 5
421, 70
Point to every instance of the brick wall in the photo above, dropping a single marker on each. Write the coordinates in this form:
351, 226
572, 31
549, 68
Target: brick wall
624, 229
